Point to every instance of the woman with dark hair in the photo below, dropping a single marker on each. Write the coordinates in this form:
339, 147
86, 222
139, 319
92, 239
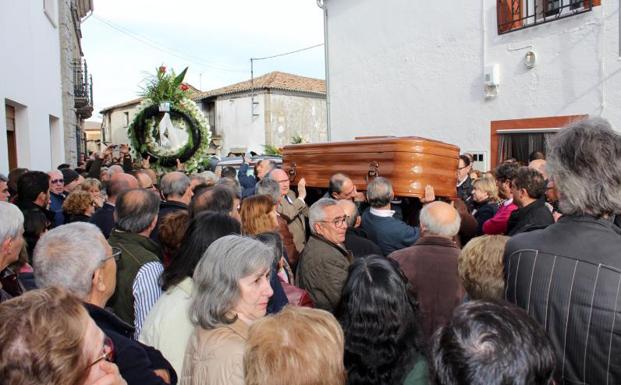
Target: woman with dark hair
379, 319
168, 326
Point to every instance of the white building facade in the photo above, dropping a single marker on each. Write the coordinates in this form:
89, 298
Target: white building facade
448, 71
30, 87
32, 133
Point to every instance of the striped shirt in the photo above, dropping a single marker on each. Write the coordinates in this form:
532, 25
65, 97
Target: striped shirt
146, 291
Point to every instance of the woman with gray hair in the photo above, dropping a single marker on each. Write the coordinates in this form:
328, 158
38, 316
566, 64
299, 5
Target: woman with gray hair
232, 288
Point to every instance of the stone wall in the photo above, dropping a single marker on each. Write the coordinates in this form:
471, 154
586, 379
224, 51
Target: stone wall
69, 51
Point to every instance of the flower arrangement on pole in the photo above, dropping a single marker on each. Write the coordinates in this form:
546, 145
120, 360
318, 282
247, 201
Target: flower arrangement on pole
168, 125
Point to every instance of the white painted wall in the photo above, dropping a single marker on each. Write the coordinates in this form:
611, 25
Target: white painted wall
407, 67
117, 121
236, 124
30, 80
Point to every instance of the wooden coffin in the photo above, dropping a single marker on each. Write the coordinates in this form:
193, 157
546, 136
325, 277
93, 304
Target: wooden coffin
410, 163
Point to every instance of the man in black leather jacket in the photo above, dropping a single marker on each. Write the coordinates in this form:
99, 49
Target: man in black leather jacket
568, 275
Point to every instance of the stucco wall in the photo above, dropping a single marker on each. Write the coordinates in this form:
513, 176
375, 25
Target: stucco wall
234, 121
290, 115
30, 80
416, 68
117, 122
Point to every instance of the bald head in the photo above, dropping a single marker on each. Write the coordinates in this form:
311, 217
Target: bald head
118, 183
136, 211
440, 219
351, 210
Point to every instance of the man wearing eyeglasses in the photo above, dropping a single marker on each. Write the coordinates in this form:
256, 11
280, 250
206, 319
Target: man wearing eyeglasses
322, 267
77, 258
57, 196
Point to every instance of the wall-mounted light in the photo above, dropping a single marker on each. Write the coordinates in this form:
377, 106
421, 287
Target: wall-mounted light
530, 59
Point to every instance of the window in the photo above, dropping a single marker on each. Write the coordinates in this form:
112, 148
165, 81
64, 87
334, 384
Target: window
514, 15
11, 137
126, 118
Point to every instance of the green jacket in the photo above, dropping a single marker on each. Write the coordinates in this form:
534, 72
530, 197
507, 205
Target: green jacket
322, 271
137, 250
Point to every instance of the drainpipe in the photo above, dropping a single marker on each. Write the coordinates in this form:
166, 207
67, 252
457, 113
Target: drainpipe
322, 4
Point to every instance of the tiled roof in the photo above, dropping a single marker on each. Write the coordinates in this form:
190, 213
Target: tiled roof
273, 80
193, 91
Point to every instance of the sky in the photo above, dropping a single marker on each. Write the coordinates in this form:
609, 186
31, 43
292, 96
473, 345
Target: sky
125, 41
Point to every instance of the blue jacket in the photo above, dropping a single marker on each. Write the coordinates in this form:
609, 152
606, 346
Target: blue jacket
389, 233
104, 219
56, 206
247, 182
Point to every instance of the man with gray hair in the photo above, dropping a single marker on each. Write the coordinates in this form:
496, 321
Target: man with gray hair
139, 268
567, 275
76, 257
355, 238
431, 265
11, 240
322, 268
177, 192
388, 232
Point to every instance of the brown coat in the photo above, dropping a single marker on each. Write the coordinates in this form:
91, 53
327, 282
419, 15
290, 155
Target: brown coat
431, 267
216, 356
295, 214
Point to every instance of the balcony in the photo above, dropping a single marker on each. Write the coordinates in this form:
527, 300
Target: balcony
514, 15
82, 89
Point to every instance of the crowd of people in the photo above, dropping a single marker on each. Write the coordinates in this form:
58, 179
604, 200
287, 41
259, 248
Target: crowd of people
114, 275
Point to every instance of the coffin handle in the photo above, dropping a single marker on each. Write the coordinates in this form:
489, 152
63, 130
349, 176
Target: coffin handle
292, 172
373, 171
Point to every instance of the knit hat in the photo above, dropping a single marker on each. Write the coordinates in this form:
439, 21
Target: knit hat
69, 175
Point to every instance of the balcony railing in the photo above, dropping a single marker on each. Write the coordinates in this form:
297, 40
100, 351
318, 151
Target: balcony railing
82, 89
514, 15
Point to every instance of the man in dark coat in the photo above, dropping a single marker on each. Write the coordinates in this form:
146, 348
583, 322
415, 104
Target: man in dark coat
77, 257
388, 232
322, 267
104, 216
567, 275
177, 193
57, 196
431, 266
528, 189
355, 238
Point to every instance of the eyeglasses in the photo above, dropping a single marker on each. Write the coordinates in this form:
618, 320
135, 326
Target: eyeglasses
116, 254
108, 353
54, 181
338, 221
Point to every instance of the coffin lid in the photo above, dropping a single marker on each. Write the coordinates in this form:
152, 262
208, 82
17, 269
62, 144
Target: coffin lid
412, 144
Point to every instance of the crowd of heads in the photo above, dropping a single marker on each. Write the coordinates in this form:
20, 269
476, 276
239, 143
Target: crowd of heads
233, 250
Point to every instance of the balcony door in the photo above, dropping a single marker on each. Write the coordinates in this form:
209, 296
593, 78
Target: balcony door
10, 136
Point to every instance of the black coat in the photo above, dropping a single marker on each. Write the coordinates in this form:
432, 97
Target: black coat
484, 212
568, 277
532, 217
359, 245
104, 219
136, 361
